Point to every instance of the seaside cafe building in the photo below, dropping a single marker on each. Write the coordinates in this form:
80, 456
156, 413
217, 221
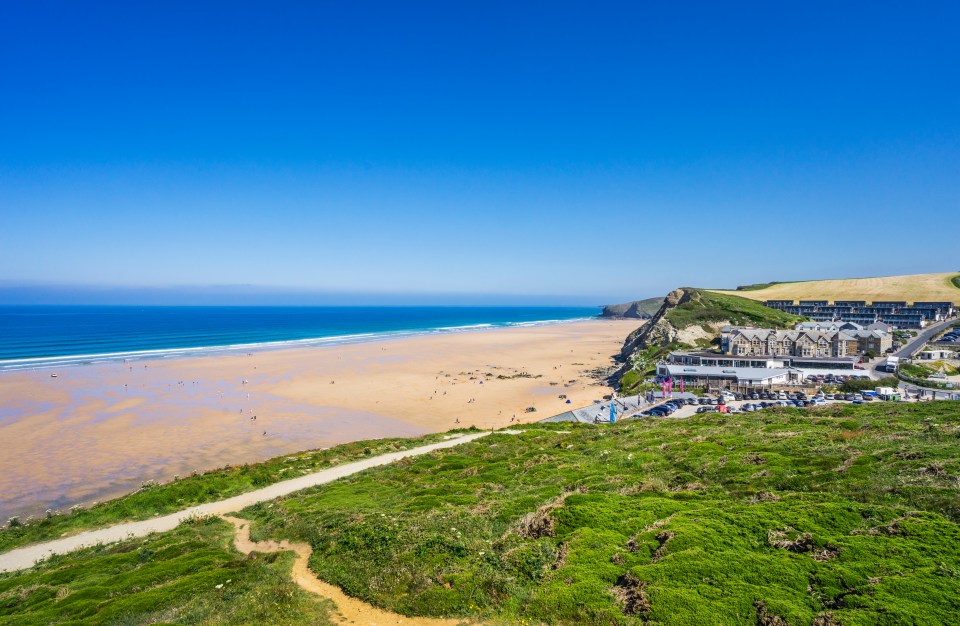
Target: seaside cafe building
721, 377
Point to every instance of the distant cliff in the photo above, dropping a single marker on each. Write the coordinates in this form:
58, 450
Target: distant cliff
639, 309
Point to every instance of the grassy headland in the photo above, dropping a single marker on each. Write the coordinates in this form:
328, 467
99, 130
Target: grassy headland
838, 515
705, 307
847, 515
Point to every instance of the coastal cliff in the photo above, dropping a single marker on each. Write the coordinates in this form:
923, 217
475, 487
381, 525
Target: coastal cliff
638, 309
690, 318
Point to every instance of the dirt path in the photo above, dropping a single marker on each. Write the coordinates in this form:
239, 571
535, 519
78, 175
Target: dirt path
349, 610
22, 558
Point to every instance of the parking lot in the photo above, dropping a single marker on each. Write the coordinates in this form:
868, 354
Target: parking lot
952, 337
739, 404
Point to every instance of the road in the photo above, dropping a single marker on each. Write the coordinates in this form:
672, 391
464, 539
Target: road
922, 337
25, 557
907, 350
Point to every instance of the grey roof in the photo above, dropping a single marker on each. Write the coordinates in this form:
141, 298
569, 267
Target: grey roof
821, 359
601, 410
741, 373
795, 335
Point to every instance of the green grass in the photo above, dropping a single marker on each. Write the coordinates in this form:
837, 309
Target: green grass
915, 370
955, 280
841, 511
708, 307
645, 365
163, 579
658, 521
159, 499
855, 385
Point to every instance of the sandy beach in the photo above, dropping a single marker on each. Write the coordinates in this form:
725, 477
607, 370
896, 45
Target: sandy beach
97, 431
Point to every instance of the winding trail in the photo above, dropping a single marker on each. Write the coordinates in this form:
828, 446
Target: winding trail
349, 610
25, 557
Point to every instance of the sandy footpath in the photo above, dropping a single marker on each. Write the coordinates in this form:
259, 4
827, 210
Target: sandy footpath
100, 430
349, 610
21, 558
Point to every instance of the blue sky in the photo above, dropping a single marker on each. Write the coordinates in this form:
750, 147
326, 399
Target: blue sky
588, 152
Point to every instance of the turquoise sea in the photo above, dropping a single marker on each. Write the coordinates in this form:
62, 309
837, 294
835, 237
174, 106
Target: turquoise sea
47, 336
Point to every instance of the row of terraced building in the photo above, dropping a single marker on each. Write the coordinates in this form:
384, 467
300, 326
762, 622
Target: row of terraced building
806, 340
897, 313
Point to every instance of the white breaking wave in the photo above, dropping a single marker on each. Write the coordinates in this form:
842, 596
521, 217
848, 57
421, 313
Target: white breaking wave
49, 362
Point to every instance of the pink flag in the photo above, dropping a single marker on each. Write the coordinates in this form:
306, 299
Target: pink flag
681, 385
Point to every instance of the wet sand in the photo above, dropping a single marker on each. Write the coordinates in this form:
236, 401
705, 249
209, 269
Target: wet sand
97, 431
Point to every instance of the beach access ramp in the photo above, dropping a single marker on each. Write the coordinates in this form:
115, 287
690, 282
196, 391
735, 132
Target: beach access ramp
600, 413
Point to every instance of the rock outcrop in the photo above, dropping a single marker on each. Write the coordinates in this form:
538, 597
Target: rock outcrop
658, 331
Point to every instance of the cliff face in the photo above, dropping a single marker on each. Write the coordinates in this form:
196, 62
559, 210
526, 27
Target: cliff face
658, 331
638, 309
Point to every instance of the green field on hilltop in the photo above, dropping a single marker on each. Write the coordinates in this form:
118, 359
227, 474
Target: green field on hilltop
159, 499
708, 307
835, 515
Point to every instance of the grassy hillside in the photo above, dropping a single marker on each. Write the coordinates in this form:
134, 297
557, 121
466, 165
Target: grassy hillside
158, 499
188, 576
927, 287
847, 515
706, 307
843, 515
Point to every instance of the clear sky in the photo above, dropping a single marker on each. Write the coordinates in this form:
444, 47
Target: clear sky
591, 151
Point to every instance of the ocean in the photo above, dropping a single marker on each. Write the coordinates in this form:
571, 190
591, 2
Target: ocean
52, 336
